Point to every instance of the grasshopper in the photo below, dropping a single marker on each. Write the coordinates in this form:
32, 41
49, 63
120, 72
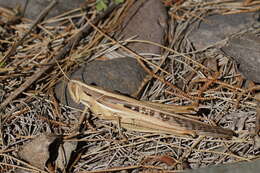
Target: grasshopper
142, 116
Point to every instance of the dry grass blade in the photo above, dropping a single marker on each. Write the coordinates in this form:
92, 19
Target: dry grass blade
39, 19
72, 42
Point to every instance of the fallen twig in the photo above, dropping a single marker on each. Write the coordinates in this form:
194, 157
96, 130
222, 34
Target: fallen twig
39, 19
73, 41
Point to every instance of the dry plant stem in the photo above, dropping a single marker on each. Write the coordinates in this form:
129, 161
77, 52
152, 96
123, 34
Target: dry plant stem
24, 86
56, 107
188, 152
208, 83
11, 113
33, 168
74, 40
81, 120
125, 48
224, 84
257, 123
56, 123
15, 114
24, 8
251, 89
149, 78
113, 169
39, 19
20, 167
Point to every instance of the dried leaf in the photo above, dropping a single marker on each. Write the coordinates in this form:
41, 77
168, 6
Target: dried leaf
163, 159
36, 152
65, 151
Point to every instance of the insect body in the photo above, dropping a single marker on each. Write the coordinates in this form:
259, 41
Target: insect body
141, 116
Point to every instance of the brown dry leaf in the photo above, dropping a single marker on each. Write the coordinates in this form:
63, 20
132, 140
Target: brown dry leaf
65, 151
36, 152
163, 159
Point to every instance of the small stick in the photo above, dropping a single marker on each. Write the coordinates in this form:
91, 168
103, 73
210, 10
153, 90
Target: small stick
39, 19
71, 43
257, 123
24, 7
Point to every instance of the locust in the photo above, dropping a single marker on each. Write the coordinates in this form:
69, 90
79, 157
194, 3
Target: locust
142, 116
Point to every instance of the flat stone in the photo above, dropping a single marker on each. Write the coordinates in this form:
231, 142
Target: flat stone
123, 75
245, 50
146, 19
219, 27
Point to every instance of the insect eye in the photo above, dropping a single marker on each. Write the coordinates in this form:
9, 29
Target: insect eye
93, 84
88, 94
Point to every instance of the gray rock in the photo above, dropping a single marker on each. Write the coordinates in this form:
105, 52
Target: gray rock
219, 27
123, 75
146, 19
245, 51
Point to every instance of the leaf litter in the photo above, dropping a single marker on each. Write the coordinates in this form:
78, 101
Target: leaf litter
223, 96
